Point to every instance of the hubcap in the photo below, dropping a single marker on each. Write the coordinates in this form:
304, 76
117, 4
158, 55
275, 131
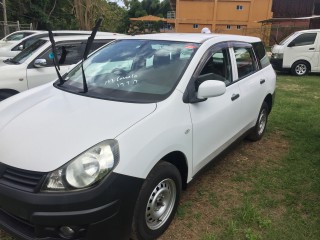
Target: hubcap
262, 121
160, 204
301, 69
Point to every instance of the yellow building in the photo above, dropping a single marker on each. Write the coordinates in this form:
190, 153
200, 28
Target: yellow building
220, 16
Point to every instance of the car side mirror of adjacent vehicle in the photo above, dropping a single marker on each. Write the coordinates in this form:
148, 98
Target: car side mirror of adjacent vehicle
20, 47
39, 63
211, 88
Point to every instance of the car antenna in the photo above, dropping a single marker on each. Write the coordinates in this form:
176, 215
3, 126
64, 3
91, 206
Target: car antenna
54, 57
86, 52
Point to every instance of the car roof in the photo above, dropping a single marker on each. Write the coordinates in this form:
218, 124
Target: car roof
81, 32
72, 33
85, 37
196, 37
27, 31
309, 30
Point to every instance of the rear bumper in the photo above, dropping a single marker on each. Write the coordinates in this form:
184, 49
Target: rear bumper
103, 212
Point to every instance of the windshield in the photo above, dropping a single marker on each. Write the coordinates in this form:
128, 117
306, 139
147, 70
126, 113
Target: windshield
26, 53
132, 70
16, 36
286, 39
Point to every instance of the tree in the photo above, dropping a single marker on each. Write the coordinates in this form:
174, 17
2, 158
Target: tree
41, 12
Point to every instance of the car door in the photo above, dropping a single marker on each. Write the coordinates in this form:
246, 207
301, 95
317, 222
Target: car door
215, 120
252, 84
69, 53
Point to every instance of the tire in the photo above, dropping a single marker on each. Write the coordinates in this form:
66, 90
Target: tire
158, 199
300, 68
261, 124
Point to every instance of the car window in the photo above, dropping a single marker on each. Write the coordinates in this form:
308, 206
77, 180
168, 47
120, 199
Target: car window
67, 53
15, 37
70, 53
217, 67
261, 54
305, 39
245, 60
26, 53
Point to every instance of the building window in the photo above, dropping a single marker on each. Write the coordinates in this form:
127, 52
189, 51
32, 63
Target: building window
238, 27
228, 26
239, 7
195, 25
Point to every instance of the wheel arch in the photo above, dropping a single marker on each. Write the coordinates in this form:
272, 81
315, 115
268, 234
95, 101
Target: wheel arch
269, 100
302, 60
179, 160
8, 90
5, 93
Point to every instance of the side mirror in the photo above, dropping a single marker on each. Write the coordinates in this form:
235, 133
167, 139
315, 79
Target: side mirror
20, 47
211, 88
40, 63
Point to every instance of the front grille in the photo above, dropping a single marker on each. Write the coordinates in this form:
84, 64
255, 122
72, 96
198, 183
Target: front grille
24, 180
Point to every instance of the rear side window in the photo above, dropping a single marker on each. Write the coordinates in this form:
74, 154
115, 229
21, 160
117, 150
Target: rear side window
245, 59
304, 39
261, 54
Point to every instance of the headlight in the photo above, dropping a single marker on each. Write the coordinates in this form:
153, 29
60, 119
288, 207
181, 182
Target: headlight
277, 55
86, 169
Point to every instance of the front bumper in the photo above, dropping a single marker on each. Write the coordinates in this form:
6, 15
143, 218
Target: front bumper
277, 64
102, 212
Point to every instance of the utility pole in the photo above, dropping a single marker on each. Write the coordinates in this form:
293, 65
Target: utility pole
5, 20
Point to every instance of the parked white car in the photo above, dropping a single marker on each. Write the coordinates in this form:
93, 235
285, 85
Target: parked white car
298, 53
9, 51
14, 37
33, 66
105, 151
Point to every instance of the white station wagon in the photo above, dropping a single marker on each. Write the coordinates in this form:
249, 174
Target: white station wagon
105, 151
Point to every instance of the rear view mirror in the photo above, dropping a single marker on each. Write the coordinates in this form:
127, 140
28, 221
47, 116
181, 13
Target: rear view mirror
39, 63
20, 47
211, 88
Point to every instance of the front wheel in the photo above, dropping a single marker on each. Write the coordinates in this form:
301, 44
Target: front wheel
157, 202
300, 68
260, 127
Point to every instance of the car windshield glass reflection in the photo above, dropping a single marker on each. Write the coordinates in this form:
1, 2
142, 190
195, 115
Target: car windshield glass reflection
26, 53
133, 70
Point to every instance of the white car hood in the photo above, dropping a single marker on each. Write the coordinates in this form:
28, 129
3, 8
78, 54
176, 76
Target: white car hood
42, 129
277, 49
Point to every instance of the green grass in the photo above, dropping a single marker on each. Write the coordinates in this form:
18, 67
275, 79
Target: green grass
284, 200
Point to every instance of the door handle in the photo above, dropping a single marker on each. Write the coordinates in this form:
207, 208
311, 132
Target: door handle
262, 81
235, 96
311, 48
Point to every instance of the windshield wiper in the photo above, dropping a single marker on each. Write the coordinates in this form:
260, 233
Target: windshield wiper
55, 58
86, 52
